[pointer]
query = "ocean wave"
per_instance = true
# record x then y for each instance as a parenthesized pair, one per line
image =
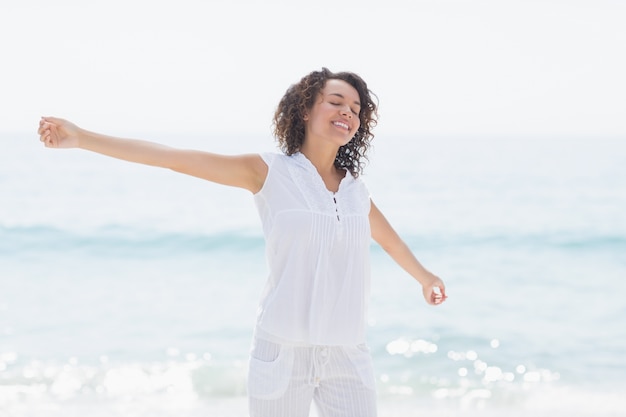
(555, 240)
(197, 377)
(122, 241)
(116, 240)
(194, 383)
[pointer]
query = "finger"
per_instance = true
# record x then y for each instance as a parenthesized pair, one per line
(46, 123)
(53, 136)
(43, 133)
(43, 128)
(439, 295)
(442, 289)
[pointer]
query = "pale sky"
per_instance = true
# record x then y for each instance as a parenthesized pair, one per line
(524, 67)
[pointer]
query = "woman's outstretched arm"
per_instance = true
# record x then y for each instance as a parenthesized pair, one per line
(244, 171)
(432, 286)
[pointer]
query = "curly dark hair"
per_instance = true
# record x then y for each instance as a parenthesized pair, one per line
(300, 98)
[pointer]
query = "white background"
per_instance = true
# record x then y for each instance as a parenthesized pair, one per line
(485, 67)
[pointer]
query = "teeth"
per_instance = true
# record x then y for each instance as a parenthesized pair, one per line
(341, 124)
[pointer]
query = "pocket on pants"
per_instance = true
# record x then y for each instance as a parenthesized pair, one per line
(269, 370)
(362, 361)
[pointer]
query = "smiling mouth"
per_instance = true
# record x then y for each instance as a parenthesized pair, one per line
(342, 125)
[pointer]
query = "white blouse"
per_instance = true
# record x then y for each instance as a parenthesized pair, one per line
(317, 247)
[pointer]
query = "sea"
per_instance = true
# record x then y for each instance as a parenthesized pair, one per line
(128, 290)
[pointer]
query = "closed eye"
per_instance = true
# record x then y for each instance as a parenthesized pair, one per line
(355, 112)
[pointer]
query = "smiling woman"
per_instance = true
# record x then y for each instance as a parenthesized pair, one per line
(318, 221)
(296, 113)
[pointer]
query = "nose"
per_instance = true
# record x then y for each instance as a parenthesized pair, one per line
(346, 111)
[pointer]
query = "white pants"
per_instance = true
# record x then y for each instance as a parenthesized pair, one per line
(283, 380)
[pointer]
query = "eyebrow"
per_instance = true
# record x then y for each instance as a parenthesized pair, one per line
(358, 103)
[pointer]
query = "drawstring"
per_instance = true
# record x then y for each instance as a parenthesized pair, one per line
(321, 356)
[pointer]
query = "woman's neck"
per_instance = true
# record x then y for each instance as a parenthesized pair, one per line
(322, 158)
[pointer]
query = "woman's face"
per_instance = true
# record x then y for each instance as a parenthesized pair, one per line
(334, 116)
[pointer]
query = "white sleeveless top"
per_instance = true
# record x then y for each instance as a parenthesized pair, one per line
(317, 246)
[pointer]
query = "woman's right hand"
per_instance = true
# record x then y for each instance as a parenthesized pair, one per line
(58, 133)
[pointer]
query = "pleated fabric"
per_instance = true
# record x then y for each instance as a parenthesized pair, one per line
(318, 248)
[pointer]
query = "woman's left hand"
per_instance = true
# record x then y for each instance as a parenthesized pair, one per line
(434, 291)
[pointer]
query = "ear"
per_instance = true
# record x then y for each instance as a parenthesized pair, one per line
(305, 117)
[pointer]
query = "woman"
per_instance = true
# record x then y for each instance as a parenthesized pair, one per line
(318, 219)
